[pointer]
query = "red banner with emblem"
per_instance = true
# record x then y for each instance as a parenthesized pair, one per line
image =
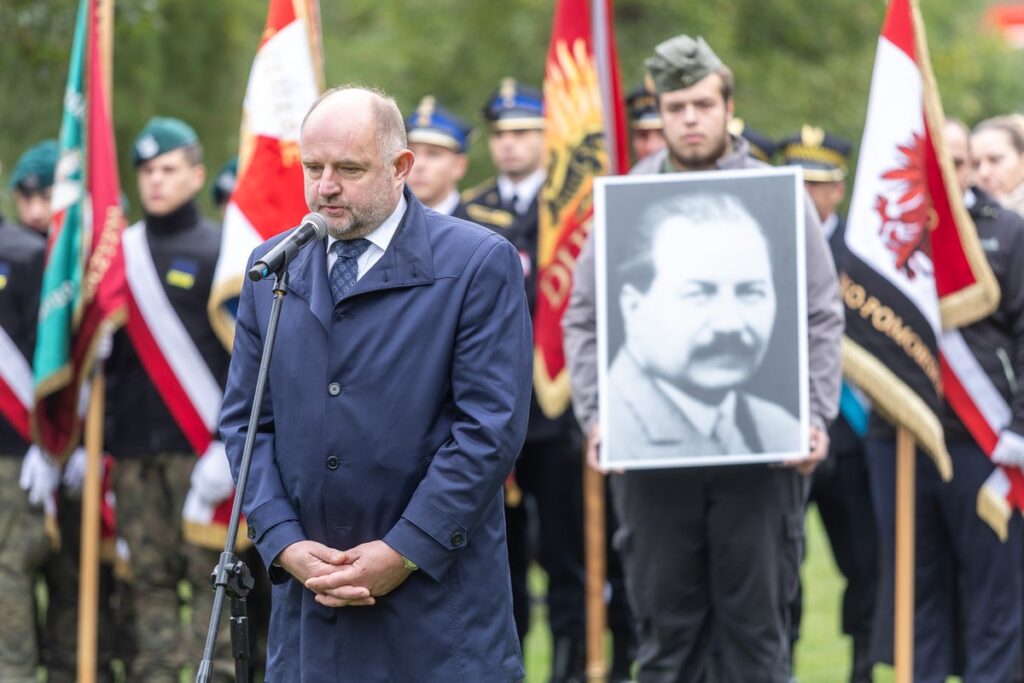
(585, 136)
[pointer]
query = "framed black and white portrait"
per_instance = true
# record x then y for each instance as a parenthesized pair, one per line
(702, 318)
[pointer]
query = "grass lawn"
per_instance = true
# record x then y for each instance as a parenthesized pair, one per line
(823, 653)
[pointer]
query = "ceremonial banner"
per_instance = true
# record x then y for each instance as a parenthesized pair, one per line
(83, 284)
(584, 137)
(286, 77)
(914, 270)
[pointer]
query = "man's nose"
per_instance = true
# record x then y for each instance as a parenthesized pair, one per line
(330, 184)
(726, 316)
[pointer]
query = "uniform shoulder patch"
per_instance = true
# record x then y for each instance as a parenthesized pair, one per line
(182, 273)
(482, 214)
(5, 274)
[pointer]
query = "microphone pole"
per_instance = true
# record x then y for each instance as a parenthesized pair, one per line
(232, 576)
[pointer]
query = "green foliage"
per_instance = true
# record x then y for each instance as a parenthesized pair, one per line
(795, 62)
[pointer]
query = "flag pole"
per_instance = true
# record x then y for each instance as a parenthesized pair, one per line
(594, 545)
(903, 645)
(89, 578)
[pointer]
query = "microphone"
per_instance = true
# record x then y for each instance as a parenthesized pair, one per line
(313, 227)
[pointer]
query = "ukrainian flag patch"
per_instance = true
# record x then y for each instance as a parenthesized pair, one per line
(5, 274)
(182, 273)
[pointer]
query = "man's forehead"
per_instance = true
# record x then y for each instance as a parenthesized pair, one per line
(688, 247)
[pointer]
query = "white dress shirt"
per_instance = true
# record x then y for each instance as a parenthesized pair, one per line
(379, 240)
(703, 417)
(524, 191)
(829, 225)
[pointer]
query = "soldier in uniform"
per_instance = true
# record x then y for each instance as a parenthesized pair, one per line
(32, 185)
(440, 140)
(840, 486)
(24, 545)
(645, 136)
(710, 554)
(548, 468)
(155, 459)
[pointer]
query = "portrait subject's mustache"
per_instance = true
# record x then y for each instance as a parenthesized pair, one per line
(724, 346)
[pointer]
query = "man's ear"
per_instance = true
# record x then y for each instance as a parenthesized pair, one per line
(629, 299)
(403, 164)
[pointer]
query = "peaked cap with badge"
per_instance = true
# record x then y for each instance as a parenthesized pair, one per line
(761, 146)
(822, 155)
(679, 63)
(642, 106)
(432, 124)
(35, 168)
(161, 135)
(515, 107)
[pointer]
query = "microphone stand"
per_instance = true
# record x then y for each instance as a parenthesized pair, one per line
(231, 576)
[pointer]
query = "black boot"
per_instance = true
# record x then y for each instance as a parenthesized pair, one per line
(568, 663)
(623, 654)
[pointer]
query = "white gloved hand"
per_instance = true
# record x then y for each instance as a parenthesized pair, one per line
(74, 471)
(1009, 450)
(211, 485)
(39, 476)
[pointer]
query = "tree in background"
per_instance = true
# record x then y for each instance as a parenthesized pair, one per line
(795, 61)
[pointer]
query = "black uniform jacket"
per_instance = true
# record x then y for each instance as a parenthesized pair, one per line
(22, 257)
(185, 248)
(483, 205)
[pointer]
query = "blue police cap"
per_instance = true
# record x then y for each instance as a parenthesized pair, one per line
(642, 105)
(434, 125)
(515, 107)
(761, 146)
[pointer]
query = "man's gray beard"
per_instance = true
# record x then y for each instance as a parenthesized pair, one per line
(361, 225)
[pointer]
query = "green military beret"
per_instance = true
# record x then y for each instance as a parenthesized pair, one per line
(680, 62)
(34, 170)
(161, 135)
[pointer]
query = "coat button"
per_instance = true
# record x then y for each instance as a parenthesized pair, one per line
(457, 539)
(333, 388)
(332, 463)
(251, 532)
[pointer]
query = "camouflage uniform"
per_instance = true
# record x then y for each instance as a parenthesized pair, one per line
(24, 546)
(150, 493)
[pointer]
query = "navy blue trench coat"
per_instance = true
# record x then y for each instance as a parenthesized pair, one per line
(395, 414)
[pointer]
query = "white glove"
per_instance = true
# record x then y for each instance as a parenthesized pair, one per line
(211, 485)
(39, 476)
(1009, 450)
(74, 471)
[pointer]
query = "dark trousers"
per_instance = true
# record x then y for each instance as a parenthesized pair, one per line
(957, 555)
(711, 559)
(549, 473)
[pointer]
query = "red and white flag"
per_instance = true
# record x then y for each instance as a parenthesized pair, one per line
(286, 77)
(914, 270)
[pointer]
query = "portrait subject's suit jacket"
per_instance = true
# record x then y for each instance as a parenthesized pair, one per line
(649, 426)
(394, 415)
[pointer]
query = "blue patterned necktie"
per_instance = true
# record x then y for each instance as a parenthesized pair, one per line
(345, 270)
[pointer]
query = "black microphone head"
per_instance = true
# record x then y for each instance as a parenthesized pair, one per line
(318, 222)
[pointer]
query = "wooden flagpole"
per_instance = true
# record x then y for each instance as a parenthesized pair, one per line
(89, 561)
(903, 645)
(594, 546)
(101, 12)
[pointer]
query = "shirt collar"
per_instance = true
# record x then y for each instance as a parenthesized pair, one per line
(525, 190)
(830, 224)
(970, 199)
(448, 204)
(702, 416)
(382, 234)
